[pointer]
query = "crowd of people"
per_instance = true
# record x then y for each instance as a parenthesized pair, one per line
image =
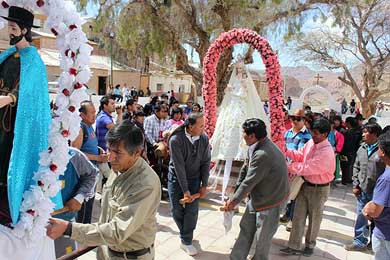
(120, 152)
(358, 149)
(356, 154)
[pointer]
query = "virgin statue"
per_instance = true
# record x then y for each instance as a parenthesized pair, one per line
(240, 102)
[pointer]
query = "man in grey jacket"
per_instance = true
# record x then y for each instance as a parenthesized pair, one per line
(189, 168)
(366, 170)
(264, 177)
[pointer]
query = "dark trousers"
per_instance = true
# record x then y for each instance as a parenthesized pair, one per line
(5, 214)
(290, 210)
(85, 214)
(347, 169)
(185, 217)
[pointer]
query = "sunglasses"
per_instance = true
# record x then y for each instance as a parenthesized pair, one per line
(296, 118)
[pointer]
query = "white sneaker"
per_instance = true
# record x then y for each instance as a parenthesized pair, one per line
(189, 249)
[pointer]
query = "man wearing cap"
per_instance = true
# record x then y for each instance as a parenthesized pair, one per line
(295, 139)
(24, 105)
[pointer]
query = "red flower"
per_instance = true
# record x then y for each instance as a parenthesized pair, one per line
(40, 3)
(73, 71)
(4, 4)
(65, 133)
(72, 109)
(72, 54)
(54, 31)
(73, 26)
(78, 85)
(66, 92)
(31, 212)
(53, 167)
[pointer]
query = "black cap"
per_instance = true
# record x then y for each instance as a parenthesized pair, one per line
(20, 16)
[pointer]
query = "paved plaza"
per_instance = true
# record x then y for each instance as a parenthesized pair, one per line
(213, 244)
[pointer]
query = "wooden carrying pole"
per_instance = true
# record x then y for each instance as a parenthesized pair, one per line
(77, 253)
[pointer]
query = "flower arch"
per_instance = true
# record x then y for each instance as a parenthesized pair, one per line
(274, 80)
(74, 54)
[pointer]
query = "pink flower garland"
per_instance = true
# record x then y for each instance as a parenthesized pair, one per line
(274, 80)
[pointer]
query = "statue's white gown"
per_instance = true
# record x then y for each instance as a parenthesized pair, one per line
(240, 102)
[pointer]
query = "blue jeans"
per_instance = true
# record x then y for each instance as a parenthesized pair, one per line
(185, 217)
(361, 223)
(381, 248)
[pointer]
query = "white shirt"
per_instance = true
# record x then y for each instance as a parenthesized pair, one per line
(191, 138)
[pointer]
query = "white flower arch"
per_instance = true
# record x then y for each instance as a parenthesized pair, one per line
(65, 23)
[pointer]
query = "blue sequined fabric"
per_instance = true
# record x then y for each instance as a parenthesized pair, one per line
(31, 126)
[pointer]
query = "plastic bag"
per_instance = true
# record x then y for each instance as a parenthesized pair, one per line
(228, 220)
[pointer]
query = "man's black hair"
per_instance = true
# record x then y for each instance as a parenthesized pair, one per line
(255, 126)
(160, 106)
(130, 102)
(338, 118)
(104, 101)
(128, 133)
(384, 143)
(352, 121)
(148, 109)
(83, 106)
(322, 125)
(139, 113)
(359, 117)
(373, 128)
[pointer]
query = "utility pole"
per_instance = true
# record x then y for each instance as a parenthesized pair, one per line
(112, 35)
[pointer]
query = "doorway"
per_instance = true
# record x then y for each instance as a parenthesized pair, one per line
(102, 86)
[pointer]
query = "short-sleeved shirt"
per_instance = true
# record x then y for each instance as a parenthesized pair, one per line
(102, 120)
(382, 198)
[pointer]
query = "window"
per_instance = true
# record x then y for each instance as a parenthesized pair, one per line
(182, 88)
(159, 86)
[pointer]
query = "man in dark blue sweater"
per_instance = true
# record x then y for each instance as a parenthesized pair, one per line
(188, 174)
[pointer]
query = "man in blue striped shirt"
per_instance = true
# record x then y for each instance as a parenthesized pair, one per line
(295, 139)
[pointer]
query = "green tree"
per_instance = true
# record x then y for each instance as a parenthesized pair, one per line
(359, 45)
(165, 27)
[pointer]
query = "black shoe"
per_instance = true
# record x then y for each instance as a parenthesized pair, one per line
(290, 251)
(284, 219)
(308, 251)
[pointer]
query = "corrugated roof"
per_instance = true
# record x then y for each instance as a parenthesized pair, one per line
(50, 35)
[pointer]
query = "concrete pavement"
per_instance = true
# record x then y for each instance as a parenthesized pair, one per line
(213, 244)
